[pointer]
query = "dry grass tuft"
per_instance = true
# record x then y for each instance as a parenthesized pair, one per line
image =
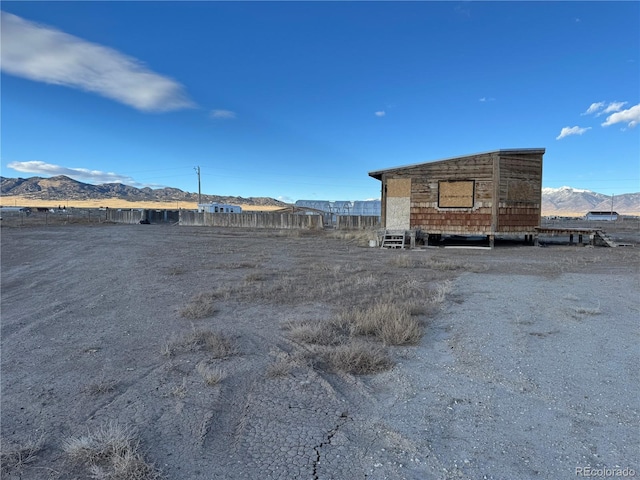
(358, 358)
(392, 324)
(101, 387)
(440, 292)
(14, 457)
(279, 369)
(201, 305)
(111, 453)
(358, 238)
(255, 277)
(180, 391)
(443, 264)
(211, 375)
(215, 343)
(313, 332)
(401, 261)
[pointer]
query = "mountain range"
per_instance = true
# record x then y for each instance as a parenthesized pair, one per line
(568, 200)
(63, 188)
(555, 201)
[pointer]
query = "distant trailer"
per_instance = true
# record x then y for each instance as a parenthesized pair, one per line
(604, 216)
(218, 208)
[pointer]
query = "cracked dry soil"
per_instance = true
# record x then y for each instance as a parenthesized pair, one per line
(528, 369)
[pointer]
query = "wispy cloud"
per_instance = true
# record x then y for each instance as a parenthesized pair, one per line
(380, 113)
(631, 117)
(228, 114)
(613, 107)
(486, 99)
(593, 108)
(44, 54)
(566, 131)
(601, 108)
(84, 174)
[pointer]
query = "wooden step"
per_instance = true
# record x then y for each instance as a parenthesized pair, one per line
(606, 239)
(393, 239)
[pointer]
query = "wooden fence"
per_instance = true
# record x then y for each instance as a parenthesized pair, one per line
(251, 220)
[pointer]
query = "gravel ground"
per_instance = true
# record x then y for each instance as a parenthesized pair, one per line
(528, 369)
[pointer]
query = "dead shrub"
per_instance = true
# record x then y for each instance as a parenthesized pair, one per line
(14, 457)
(201, 305)
(358, 358)
(211, 375)
(111, 452)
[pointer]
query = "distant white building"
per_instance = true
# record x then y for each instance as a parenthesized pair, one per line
(606, 216)
(218, 208)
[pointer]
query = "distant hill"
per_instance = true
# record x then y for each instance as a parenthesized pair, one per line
(568, 201)
(63, 188)
(555, 201)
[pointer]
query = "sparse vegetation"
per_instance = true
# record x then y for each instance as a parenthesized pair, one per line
(279, 368)
(439, 293)
(180, 391)
(14, 457)
(358, 358)
(215, 344)
(101, 387)
(318, 332)
(392, 324)
(111, 452)
(211, 375)
(200, 306)
(401, 261)
(255, 277)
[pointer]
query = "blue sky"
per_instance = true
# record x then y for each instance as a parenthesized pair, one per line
(300, 100)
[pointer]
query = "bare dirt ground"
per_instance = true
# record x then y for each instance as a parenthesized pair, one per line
(527, 368)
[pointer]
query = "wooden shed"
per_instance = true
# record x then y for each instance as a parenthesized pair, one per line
(491, 193)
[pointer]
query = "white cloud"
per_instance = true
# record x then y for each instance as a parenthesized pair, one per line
(44, 54)
(380, 113)
(613, 107)
(486, 99)
(91, 176)
(631, 116)
(566, 131)
(600, 109)
(594, 108)
(222, 114)
(285, 199)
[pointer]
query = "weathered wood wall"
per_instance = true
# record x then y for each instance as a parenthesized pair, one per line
(507, 191)
(520, 196)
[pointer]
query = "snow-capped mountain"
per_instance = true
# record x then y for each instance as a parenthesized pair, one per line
(575, 201)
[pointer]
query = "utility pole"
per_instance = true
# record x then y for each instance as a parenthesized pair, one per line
(197, 169)
(612, 195)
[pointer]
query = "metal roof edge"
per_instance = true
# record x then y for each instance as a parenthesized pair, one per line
(373, 173)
